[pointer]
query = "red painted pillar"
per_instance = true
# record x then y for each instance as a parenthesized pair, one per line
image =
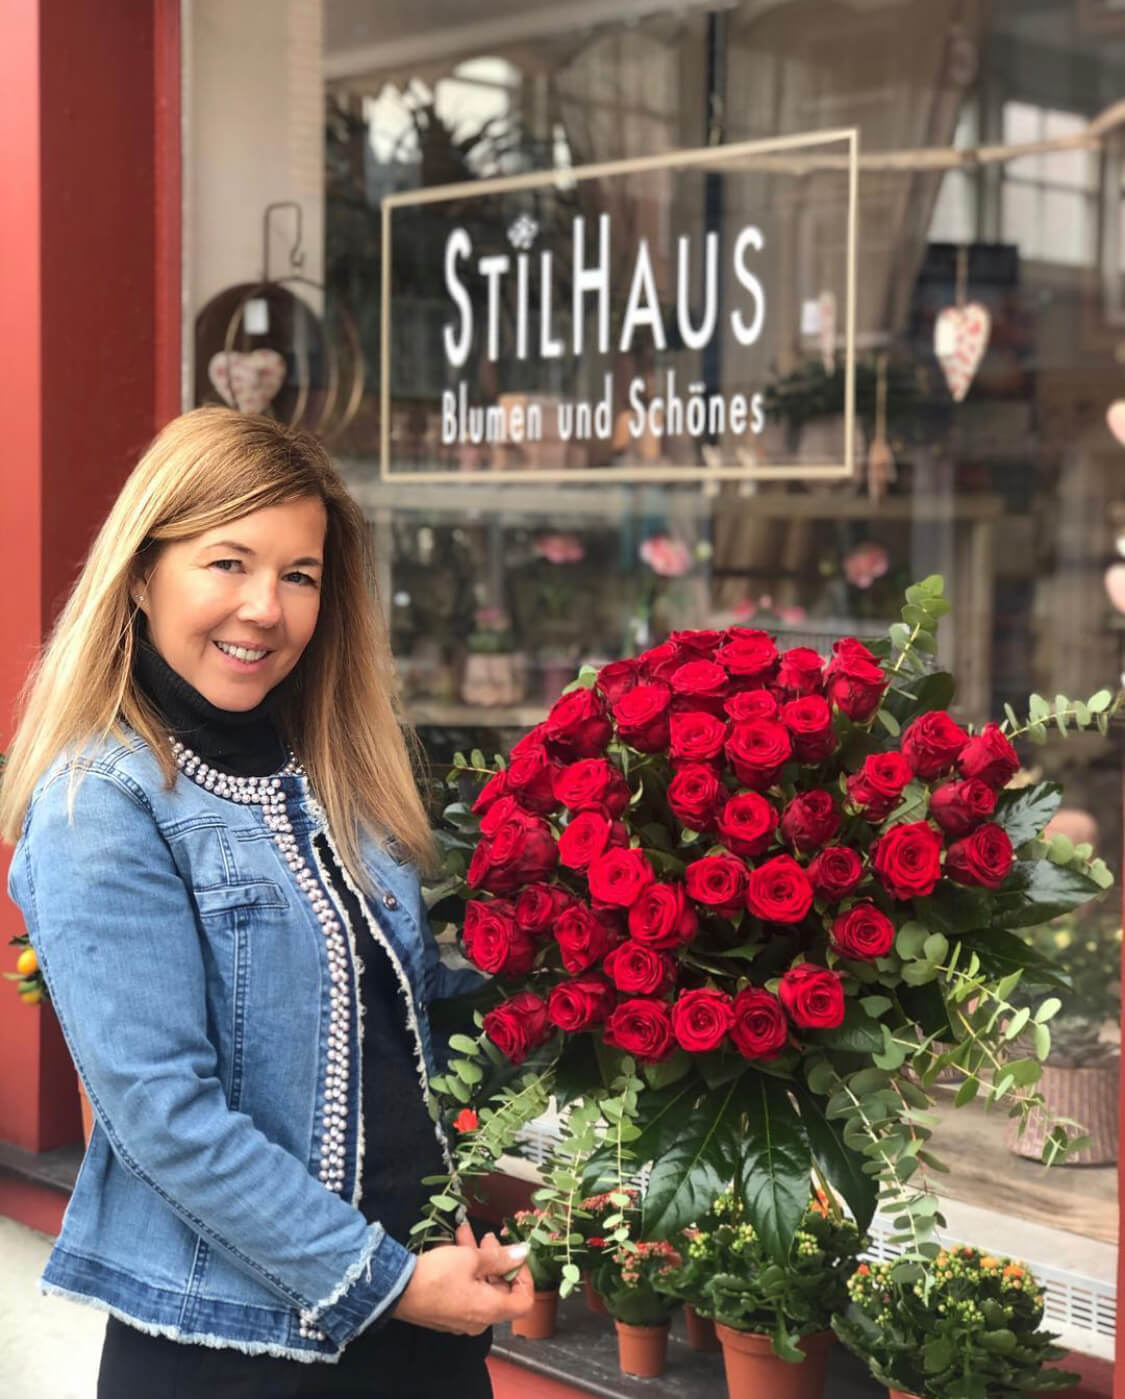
(89, 363)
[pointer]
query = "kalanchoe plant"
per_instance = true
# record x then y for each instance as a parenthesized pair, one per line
(789, 889)
(741, 1286)
(969, 1328)
(629, 1278)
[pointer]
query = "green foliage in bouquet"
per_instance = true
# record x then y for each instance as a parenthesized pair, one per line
(969, 1329)
(735, 1280)
(531, 1227)
(1087, 952)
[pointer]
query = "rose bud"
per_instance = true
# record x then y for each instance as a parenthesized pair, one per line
(907, 860)
(638, 969)
(579, 1003)
(718, 883)
(695, 796)
(588, 835)
(864, 932)
(751, 704)
(983, 858)
(759, 1029)
(699, 685)
(855, 681)
(641, 1027)
(659, 663)
(800, 673)
(990, 757)
(878, 787)
(617, 679)
(517, 1026)
(835, 872)
(662, 917)
(538, 905)
(932, 742)
(619, 877)
(592, 784)
(959, 807)
(583, 938)
(813, 996)
(746, 824)
(809, 820)
(494, 941)
(779, 891)
(701, 1020)
(758, 750)
(748, 654)
(642, 717)
(809, 720)
(531, 779)
(701, 643)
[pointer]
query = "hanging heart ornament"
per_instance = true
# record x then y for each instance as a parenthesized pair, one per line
(1115, 419)
(248, 382)
(960, 340)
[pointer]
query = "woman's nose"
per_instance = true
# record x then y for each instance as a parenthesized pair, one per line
(261, 603)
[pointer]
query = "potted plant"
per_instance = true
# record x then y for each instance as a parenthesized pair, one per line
(493, 670)
(965, 1327)
(629, 1278)
(774, 1319)
(527, 1226)
(588, 1223)
(688, 1283)
(1080, 1078)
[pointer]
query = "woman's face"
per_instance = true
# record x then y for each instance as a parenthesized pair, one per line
(232, 609)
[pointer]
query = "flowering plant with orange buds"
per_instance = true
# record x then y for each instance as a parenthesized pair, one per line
(967, 1327)
(629, 1277)
(532, 1227)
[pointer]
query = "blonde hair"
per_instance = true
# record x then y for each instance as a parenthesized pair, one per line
(205, 469)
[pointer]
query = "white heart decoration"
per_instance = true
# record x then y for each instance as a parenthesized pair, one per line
(248, 382)
(1115, 585)
(1115, 420)
(960, 340)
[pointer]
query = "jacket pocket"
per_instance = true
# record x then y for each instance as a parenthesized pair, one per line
(229, 898)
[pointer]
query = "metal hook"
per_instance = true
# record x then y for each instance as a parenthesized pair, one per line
(296, 252)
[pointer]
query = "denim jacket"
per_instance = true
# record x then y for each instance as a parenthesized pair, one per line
(192, 980)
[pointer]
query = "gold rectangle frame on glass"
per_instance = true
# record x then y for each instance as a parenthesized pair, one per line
(708, 157)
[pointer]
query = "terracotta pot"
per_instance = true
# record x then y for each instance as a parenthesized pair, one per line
(700, 1331)
(1087, 1095)
(539, 1323)
(754, 1370)
(87, 1112)
(594, 1299)
(642, 1350)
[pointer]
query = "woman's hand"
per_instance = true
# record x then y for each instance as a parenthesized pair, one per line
(460, 1287)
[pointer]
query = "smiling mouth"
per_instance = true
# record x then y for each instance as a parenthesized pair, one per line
(248, 655)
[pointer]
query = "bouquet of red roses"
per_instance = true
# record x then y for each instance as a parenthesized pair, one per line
(785, 887)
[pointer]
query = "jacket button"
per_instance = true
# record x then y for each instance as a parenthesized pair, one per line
(389, 901)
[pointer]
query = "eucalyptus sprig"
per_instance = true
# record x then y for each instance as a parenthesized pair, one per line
(1096, 712)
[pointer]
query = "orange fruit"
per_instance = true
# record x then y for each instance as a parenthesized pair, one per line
(31, 998)
(27, 962)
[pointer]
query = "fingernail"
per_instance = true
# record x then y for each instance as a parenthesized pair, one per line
(518, 1253)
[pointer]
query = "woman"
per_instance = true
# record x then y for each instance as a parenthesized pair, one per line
(218, 843)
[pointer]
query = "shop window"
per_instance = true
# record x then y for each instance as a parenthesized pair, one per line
(1049, 201)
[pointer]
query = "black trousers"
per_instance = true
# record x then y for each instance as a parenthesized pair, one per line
(396, 1361)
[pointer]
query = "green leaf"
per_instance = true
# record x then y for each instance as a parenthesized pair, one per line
(910, 939)
(1048, 1009)
(1042, 1036)
(659, 1116)
(1037, 891)
(876, 1005)
(967, 1092)
(1024, 812)
(936, 948)
(889, 722)
(858, 1033)
(937, 1355)
(1099, 703)
(775, 1165)
(699, 1165)
(1001, 953)
(1017, 1023)
(667, 1071)
(953, 909)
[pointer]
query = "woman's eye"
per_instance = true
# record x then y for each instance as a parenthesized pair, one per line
(306, 580)
(226, 565)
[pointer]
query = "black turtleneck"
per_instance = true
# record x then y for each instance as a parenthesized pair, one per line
(399, 1142)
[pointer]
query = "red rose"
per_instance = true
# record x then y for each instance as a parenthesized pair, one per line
(658, 663)
(759, 1029)
(494, 941)
(990, 757)
(641, 1027)
(662, 917)
(522, 851)
(695, 795)
(751, 704)
(835, 872)
(578, 724)
(983, 858)
(809, 720)
(877, 788)
(810, 820)
(932, 742)
(617, 679)
(619, 877)
(779, 891)
(718, 882)
(746, 824)
(813, 996)
(495, 788)
(864, 932)
(800, 673)
(748, 654)
(907, 860)
(697, 643)
(517, 1026)
(538, 905)
(592, 784)
(579, 1003)
(531, 778)
(700, 684)
(695, 736)
(638, 969)
(587, 836)
(959, 807)
(701, 1020)
(758, 750)
(583, 937)
(503, 809)
(642, 717)
(855, 680)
